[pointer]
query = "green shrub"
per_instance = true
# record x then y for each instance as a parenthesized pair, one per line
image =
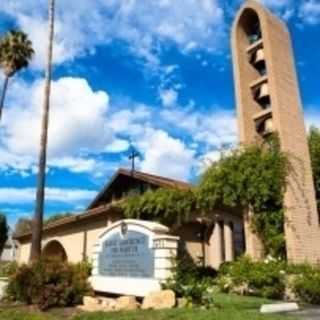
(306, 285)
(244, 276)
(270, 278)
(192, 282)
(49, 284)
(8, 268)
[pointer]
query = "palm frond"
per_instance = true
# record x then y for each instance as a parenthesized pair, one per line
(15, 52)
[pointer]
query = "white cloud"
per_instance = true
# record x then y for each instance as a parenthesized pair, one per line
(168, 97)
(310, 12)
(207, 159)
(130, 121)
(77, 125)
(82, 127)
(165, 155)
(214, 129)
(285, 8)
(145, 26)
(118, 145)
(27, 195)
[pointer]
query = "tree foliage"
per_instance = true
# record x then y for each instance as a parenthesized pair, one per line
(252, 177)
(314, 146)
(15, 52)
(4, 229)
(166, 206)
(22, 226)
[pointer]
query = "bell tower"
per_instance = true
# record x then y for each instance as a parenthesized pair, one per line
(268, 100)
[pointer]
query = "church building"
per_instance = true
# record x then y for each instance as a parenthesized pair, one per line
(268, 100)
(209, 241)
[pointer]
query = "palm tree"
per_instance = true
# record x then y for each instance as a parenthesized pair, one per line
(15, 53)
(37, 223)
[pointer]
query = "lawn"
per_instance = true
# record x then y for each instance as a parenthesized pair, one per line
(229, 307)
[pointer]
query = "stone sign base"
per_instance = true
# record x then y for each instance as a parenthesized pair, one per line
(133, 257)
(134, 287)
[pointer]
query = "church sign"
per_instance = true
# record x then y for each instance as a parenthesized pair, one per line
(127, 254)
(133, 257)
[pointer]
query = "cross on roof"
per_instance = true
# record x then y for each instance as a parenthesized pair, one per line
(133, 154)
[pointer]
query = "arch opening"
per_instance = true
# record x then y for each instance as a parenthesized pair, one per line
(54, 251)
(250, 24)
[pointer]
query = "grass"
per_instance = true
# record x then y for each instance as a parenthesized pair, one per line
(228, 307)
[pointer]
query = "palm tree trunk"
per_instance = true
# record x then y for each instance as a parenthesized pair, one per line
(38, 216)
(3, 94)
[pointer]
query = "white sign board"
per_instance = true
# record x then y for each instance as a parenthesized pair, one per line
(133, 257)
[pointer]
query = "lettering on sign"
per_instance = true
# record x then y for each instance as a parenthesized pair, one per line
(159, 244)
(127, 255)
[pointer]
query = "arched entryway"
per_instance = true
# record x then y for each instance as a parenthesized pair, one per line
(54, 250)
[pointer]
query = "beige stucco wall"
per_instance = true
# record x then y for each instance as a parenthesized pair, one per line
(190, 242)
(77, 239)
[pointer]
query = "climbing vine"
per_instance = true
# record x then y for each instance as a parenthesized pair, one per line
(314, 145)
(251, 177)
(166, 206)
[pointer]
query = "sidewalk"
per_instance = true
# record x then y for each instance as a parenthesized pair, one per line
(312, 313)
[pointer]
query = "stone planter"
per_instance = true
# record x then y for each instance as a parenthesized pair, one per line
(3, 285)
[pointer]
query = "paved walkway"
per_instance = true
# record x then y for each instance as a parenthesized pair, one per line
(307, 314)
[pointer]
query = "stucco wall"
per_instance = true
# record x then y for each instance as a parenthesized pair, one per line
(77, 239)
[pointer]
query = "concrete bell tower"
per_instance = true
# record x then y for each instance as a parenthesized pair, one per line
(268, 100)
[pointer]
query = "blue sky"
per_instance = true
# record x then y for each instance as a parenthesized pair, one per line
(156, 73)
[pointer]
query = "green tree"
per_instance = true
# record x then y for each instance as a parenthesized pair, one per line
(15, 53)
(40, 196)
(3, 231)
(22, 226)
(314, 145)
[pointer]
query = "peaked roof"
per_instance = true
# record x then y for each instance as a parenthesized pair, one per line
(152, 179)
(96, 208)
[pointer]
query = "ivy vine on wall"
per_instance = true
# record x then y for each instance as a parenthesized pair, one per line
(249, 177)
(167, 206)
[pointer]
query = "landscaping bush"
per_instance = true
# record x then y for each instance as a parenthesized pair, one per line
(270, 278)
(246, 277)
(49, 284)
(192, 282)
(7, 269)
(306, 285)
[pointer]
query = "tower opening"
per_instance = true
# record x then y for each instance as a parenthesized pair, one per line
(250, 23)
(257, 59)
